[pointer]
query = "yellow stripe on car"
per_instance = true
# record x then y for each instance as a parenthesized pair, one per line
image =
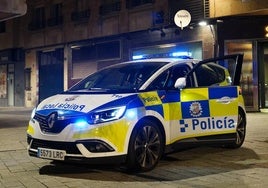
(150, 98)
(221, 110)
(194, 94)
(114, 132)
(172, 111)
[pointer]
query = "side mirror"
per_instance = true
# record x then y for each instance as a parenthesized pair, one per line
(180, 83)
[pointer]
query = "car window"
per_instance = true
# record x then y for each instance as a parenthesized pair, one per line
(219, 71)
(167, 79)
(179, 71)
(209, 74)
(128, 76)
(160, 82)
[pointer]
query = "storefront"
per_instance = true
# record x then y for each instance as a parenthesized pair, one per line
(11, 77)
(248, 37)
(263, 84)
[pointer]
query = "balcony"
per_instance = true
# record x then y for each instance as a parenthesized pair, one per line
(12, 8)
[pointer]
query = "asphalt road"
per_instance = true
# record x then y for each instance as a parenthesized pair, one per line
(197, 167)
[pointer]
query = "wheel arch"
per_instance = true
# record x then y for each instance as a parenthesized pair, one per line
(157, 122)
(243, 111)
(132, 161)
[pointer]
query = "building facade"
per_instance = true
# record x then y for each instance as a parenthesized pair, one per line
(61, 42)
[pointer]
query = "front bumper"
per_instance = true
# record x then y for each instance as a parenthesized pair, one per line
(75, 151)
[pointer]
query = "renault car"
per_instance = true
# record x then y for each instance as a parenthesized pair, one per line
(137, 111)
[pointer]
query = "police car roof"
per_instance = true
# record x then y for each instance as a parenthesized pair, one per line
(167, 60)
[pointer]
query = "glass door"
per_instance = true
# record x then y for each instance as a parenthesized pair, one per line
(263, 57)
(249, 75)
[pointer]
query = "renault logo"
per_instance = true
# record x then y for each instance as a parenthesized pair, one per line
(52, 119)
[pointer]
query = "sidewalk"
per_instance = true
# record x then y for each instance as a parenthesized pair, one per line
(16, 109)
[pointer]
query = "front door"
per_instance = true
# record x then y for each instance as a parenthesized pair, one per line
(209, 102)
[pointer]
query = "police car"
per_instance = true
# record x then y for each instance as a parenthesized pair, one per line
(135, 112)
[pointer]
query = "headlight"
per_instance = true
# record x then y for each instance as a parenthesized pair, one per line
(105, 115)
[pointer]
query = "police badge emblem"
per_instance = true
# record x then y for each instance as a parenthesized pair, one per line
(196, 109)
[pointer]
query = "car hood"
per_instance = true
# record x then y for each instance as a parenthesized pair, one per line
(82, 103)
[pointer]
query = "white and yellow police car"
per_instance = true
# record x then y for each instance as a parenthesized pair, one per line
(136, 111)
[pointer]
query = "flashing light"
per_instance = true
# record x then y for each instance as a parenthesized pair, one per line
(178, 54)
(135, 57)
(81, 123)
(131, 114)
(182, 55)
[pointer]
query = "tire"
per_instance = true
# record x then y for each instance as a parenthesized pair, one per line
(145, 147)
(240, 131)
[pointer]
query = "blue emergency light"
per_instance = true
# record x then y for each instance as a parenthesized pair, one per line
(181, 55)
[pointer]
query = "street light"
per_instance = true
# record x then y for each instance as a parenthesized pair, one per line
(266, 31)
(202, 23)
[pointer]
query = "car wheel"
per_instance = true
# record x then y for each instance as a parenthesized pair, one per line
(145, 147)
(240, 131)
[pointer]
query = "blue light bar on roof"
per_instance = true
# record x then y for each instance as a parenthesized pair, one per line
(181, 55)
(135, 57)
(178, 54)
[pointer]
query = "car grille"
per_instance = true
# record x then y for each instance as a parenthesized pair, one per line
(57, 126)
(69, 147)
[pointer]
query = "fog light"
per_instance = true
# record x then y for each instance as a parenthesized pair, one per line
(96, 146)
(101, 148)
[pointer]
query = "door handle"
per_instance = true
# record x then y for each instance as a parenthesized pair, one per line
(225, 100)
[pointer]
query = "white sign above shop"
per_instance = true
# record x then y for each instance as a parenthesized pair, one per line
(182, 18)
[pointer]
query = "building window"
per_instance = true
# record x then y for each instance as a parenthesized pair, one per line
(56, 17)
(81, 5)
(198, 9)
(85, 58)
(2, 27)
(158, 18)
(37, 19)
(135, 3)
(3, 81)
(99, 51)
(108, 7)
(108, 50)
(81, 12)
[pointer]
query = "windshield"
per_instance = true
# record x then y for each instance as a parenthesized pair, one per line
(126, 76)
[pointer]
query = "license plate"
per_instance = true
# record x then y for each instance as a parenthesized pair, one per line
(51, 154)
